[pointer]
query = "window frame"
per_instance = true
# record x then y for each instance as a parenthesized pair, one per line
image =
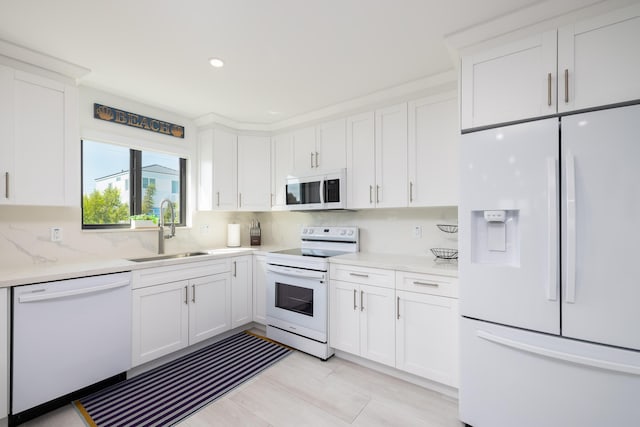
(136, 192)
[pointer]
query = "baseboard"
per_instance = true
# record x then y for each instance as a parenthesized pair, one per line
(445, 390)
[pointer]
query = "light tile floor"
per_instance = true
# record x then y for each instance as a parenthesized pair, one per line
(301, 390)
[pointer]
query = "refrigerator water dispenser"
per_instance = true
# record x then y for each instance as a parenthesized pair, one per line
(494, 237)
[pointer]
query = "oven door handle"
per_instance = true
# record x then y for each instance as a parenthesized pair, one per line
(294, 272)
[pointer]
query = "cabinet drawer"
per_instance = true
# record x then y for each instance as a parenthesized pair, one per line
(427, 284)
(363, 275)
(172, 273)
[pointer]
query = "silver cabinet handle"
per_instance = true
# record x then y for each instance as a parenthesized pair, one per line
(239, 200)
(371, 194)
(426, 284)
(361, 300)
(549, 89)
(566, 86)
(271, 199)
(410, 192)
(311, 160)
(355, 305)
(6, 185)
(193, 295)
(398, 308)
(186, 295)
(218, 196)
(235, 269)
(359, 275)
(317, 155)
(377, 194)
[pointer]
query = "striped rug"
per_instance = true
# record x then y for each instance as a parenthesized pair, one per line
(171, 392)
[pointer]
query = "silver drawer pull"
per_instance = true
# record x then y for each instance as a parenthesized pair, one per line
(425, 284)
(359, 275)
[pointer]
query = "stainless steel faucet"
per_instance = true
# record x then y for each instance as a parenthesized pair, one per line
(161, 235)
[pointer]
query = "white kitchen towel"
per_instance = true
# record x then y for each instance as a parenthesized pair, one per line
(233, 235)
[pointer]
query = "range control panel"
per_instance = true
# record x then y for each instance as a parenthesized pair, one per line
(329, 233)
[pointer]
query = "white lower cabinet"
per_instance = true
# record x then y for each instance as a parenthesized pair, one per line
(241, 290)
(427, 336)
(4, 352)
(405, 320)
(362, 316)
(176, 306)
(260, 289)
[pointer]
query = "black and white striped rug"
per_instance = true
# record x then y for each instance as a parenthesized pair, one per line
(169, 393)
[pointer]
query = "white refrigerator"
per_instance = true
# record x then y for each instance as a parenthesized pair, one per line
(549, 267)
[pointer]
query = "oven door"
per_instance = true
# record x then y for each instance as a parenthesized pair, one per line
(297, 301)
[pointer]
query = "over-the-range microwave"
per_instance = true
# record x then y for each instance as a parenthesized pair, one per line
(318, 191)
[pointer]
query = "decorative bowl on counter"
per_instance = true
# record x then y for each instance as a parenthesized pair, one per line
(445, 253)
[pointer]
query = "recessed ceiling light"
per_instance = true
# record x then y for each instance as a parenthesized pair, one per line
(216, 62)
(274, 113)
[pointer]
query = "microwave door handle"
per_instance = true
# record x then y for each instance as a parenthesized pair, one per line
(322, 189)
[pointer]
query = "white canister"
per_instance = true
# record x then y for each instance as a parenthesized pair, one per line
(233, 235)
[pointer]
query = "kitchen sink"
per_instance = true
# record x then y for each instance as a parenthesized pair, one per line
(173, 256)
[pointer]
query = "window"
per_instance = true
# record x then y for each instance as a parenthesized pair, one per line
(118, 182)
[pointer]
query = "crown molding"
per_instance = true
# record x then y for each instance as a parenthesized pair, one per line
(41, 60)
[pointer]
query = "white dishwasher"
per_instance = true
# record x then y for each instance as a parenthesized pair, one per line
(68, 335)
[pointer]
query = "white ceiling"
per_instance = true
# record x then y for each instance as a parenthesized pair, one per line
(286, 56)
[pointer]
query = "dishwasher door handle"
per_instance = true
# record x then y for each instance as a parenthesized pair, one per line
(43, 296)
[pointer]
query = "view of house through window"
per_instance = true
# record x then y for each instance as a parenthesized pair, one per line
(119, 183)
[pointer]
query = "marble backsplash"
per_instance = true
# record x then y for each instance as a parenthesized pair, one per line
(25, 233)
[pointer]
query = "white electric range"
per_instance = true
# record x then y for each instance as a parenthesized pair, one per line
(298, 288)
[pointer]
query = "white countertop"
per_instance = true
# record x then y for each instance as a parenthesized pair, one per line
(410, 263)
(50, 272)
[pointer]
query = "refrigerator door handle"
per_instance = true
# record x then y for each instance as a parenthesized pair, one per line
(552, 216)
(560, 355)
(571, 229)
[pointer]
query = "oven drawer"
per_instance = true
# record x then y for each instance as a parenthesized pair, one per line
(363, 275)
(431, 284)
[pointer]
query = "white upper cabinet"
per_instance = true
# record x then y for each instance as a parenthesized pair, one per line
(600, 59)
(254, 173)
(331, 149)
(391, 188)
(361, 161)
(584, 65)
(433, 151)
(225, 175)
(511, 82)
(320, 148)
(281, 167)
(40, 142)
(304, 150)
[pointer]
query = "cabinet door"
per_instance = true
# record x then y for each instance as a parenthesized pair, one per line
(6, 134)
(282, 166)
(4, 352)
(40, 170)
(377, 324)
(225, 172)
(254, 173)
(391, 157)
(331, 146)
(427, 336)
(241, 291)
(600, 59)
(260, 289)
(344, 318)
(304, 150)
(160, 320)
(205, 170)
(512, 82)
(361, 161)
(433, 151)
(209, 306)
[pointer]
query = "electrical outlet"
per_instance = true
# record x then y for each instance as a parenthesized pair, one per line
(417, 231)
(204, 228)
(56, 234)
